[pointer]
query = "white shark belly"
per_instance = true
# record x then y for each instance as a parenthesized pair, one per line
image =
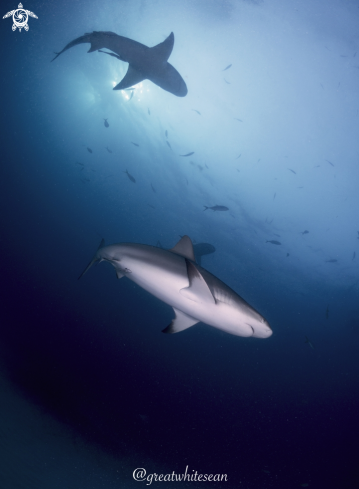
(166, 286)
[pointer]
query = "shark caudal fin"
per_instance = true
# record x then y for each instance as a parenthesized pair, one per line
(94, 259)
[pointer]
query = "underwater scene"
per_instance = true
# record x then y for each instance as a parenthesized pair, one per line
(180, 244)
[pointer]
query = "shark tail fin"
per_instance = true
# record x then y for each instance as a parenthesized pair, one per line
(94, 259)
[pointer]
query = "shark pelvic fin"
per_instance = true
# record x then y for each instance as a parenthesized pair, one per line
(180, 323)
(184, 247)
(198, 290)
(164, 49)
(131, 78)
(94, 259)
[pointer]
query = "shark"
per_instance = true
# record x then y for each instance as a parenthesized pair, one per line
(194, 293)
(145, 63)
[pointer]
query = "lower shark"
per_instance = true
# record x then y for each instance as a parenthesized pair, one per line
(195, 294)
(145, 63)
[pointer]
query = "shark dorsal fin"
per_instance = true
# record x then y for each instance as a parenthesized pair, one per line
(179, 323)
(198, 290)
(184, 247)
(164, 49)
(131, 78)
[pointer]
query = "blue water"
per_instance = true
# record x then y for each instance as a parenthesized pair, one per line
(90, 387)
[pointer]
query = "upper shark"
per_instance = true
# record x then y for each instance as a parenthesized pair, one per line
(144, 62)
(195, 294)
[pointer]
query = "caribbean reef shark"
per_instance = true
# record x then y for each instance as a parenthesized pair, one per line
(195, 294)
(145, 63)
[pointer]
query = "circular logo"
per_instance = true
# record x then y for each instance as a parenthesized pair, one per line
(20, 18)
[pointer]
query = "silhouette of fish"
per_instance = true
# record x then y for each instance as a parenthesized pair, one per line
(168, 144)
(188, 154)
(106, 124)
(273, 241)
(333, 260)
(135, 144)
(330, 163)
(228, 83)
(216, 208)
(89, 150)
(305, 232)
(144, 62)
(292, 171)
(108, 150)
(166, 134)
(149, 112)
(194, 110)
(239, 120)
(153, 188)
(227, 67)
(130, 176)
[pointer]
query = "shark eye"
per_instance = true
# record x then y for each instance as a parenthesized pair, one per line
(127, 270)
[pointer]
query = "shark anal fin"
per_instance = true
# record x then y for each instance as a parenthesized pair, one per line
(164, 49)
(180, 323)
(184, 247)
(131, 78)
(198, 290)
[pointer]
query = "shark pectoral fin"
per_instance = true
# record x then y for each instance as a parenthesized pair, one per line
(180, 323)
(164, 49)
(131, 78)
(184, 247)
(198, 290)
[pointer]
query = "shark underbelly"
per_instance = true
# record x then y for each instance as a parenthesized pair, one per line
(166, 286)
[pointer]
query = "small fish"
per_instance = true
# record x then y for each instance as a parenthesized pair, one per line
(131, 95)
(329, 162)
(206, 166)
(131, 89)
(275, 193)
(333, 260)
(278, 235)
(216, 208)
(106, 124)
(78, 163)
(353, 256)
(258, 160)
(327, 312)
(168, 144)
(292, 171)
(307, 340)
(108, 150)
(236, 118)
(338, 85)
(273, 241)
(200, 167)
(166, 134)
(89, 150)
(188, 154)
(194, 110)
(130, 176)
(305, 232)
(135, 144)
(239, 156)
(287, 255)
(354, 54)
(227, 67)
(228, 83)
(153, 188)
(238, 170)
(149, 112)
(321, 86)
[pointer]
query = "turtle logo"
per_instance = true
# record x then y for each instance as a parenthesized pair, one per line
(20, 18)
